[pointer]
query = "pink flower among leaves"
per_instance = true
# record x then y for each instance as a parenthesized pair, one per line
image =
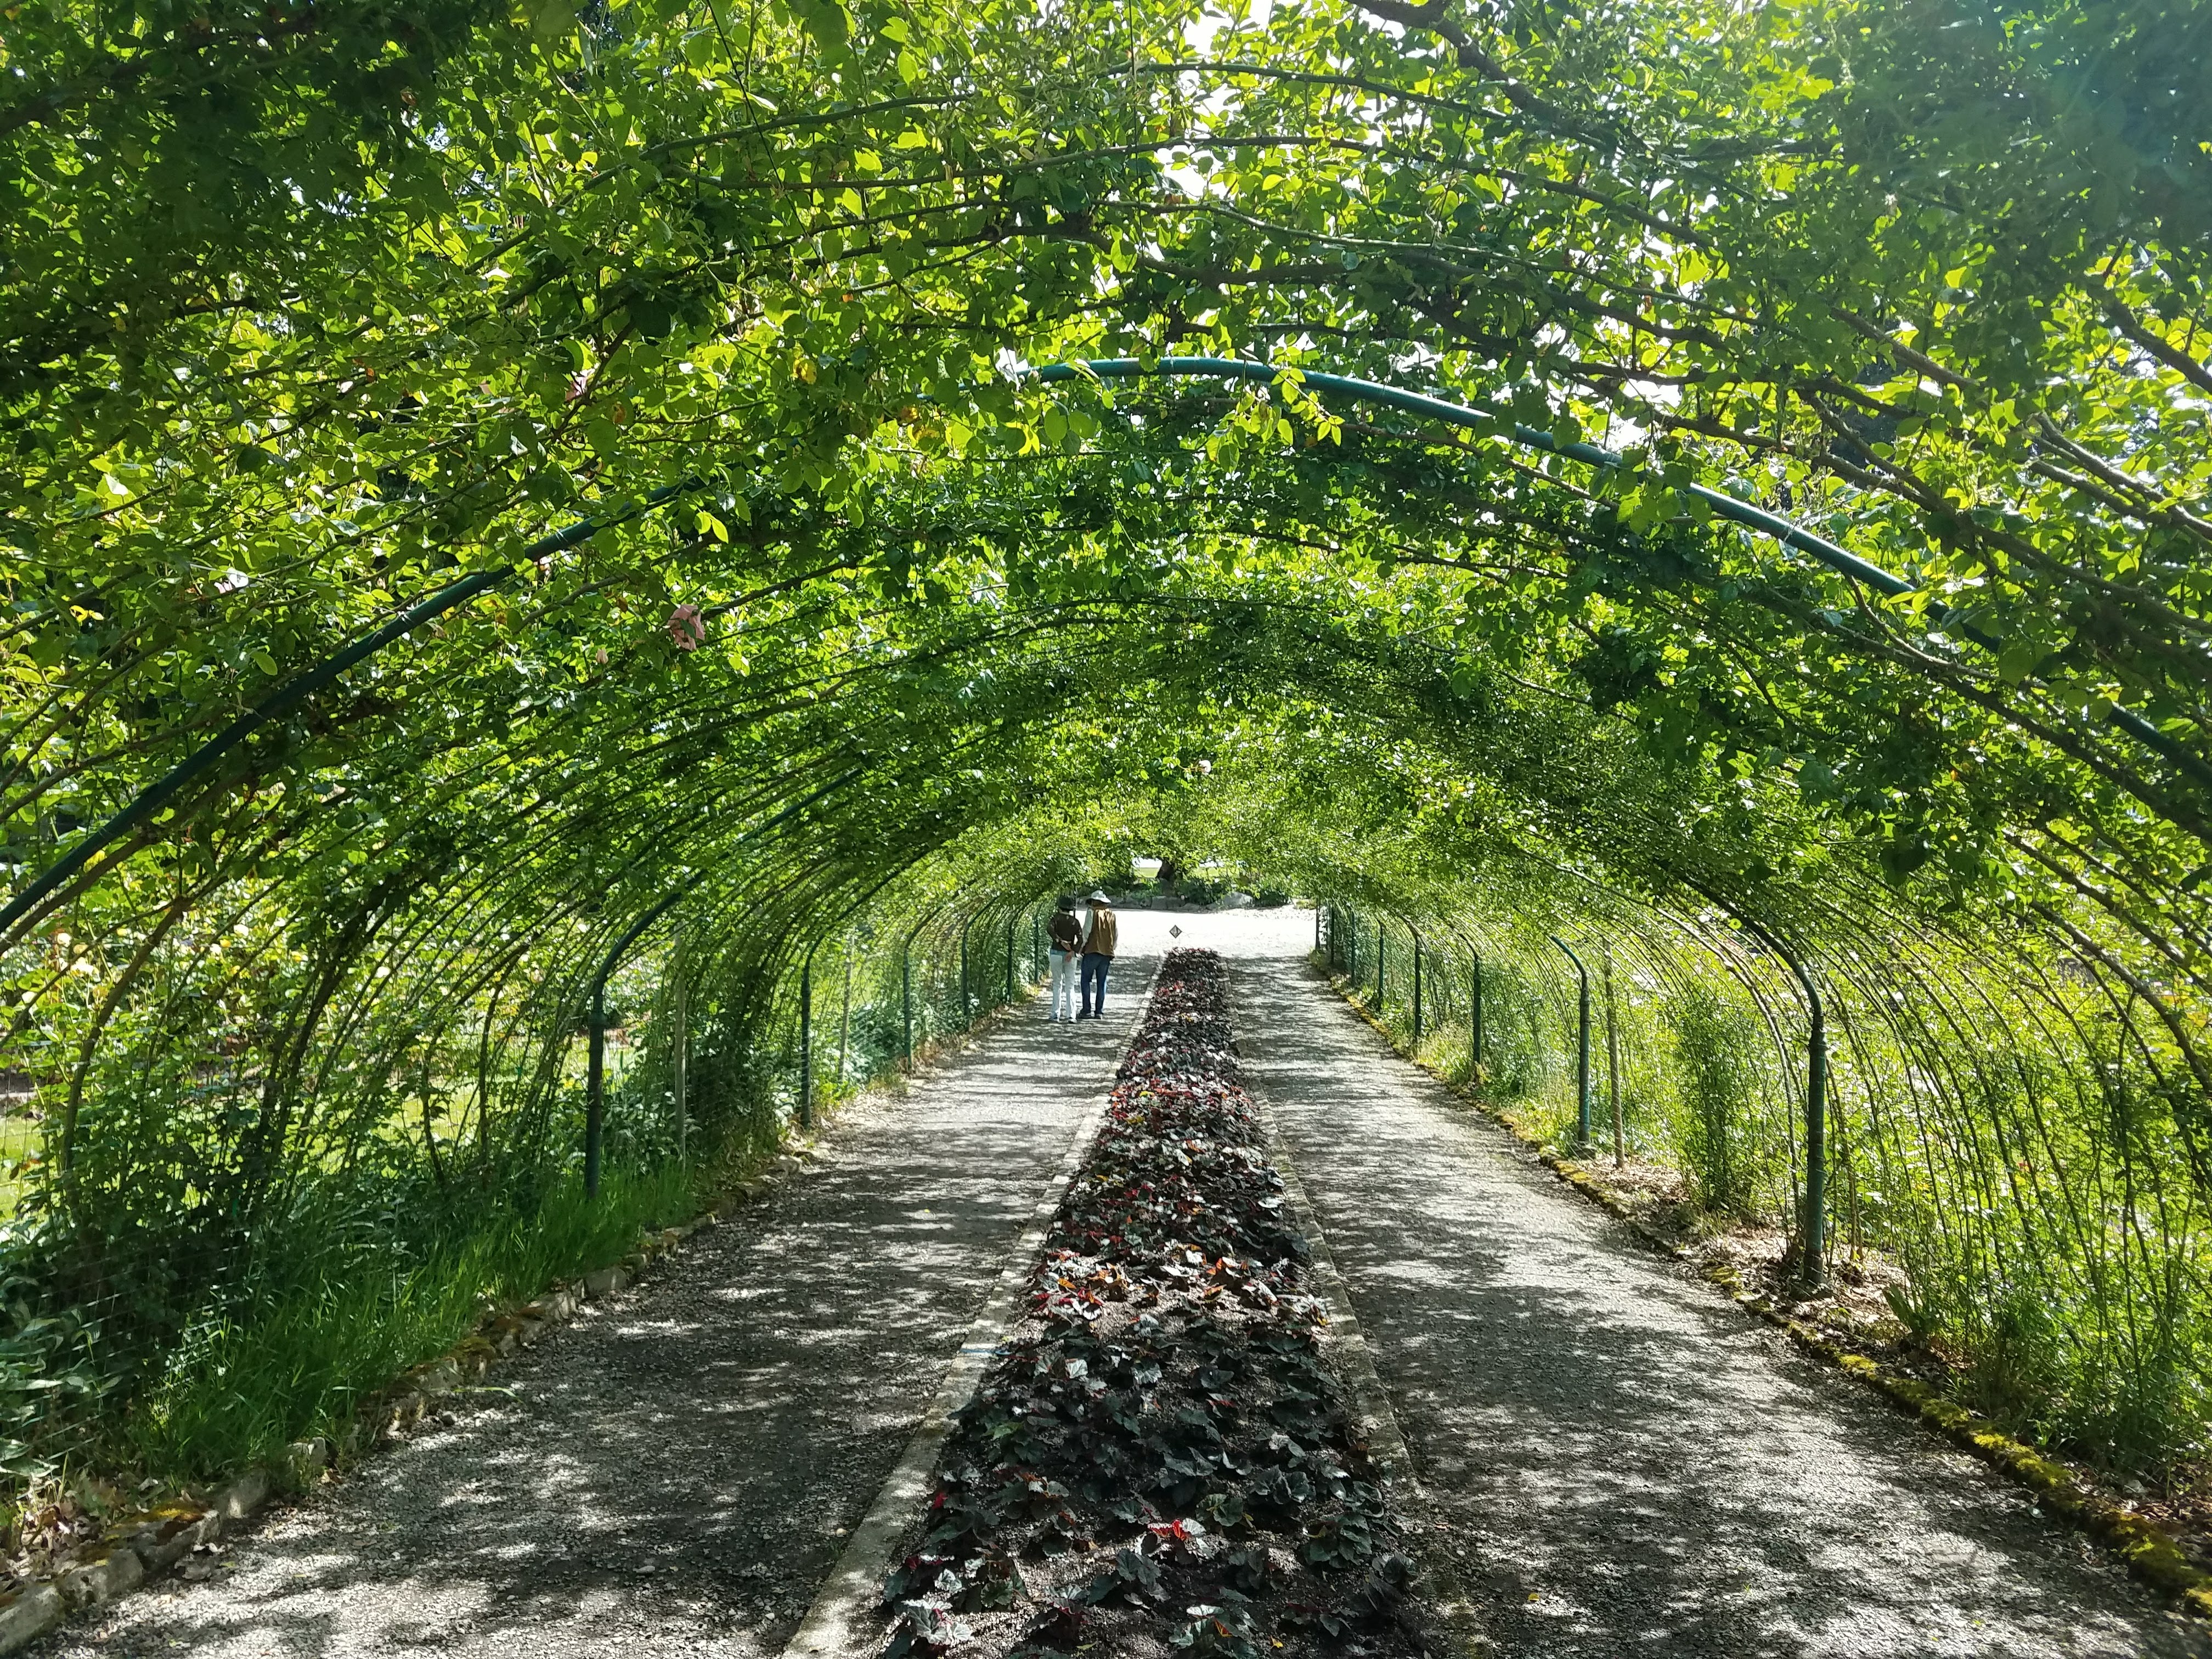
(687, 627)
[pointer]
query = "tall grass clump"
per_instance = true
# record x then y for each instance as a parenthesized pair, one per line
(316, 1329)
(1719, 1124)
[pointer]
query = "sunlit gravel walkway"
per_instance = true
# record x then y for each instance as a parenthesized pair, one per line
(673, 1474)
(1624, 1463)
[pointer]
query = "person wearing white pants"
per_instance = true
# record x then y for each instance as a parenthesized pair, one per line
(1064, 933)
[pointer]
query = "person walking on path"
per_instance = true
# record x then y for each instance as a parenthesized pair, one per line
(1065, 934)
(1097, 957)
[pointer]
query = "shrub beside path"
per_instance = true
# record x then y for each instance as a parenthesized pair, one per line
(673, 1473)
(1623, 1461)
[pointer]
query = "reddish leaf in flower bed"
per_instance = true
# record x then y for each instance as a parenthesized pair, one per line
(1161, 1461)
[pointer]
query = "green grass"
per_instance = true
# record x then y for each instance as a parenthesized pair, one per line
(20, 1137)
(240, 1388)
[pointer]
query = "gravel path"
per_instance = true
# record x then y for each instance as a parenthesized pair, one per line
(673, 1474)
(1623, 1461)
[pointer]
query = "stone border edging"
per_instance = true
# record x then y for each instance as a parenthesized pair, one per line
(855, 1586)
(2149, 1551)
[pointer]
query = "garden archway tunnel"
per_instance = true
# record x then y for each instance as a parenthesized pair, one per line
(1662, 484)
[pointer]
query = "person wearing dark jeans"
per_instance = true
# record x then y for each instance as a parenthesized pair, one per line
(1098, 941)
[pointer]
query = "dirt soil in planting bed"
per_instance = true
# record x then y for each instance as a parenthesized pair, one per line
(1161, 1461)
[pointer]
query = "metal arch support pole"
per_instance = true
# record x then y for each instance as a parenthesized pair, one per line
(967, 1000)
(1475, 1012)
(806, 1040)
(1812, 1224)
(595, 1091)
(595, 1074)
(296, 690)
(1613, 1058)
(1417, 984)
(1582, 1054)
(906, 985)
(681, 997)
(1816, 1265)
(595, 1086)
(1836, 557)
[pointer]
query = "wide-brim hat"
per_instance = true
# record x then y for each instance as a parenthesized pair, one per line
(1100, 899)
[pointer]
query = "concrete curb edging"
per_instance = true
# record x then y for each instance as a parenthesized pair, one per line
(2150, 1551)
(127, 1557)
(853, 1589)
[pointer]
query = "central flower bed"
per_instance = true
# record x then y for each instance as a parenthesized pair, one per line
(1160, 1461)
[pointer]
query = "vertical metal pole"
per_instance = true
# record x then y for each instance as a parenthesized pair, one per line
(1417, 990)
(1814, 1243)
(1582, 1054)
(807, 1043)
(845, 1011)
(683, 1041)
(1612, 1055)
(595, 1090)
(1474, 1022)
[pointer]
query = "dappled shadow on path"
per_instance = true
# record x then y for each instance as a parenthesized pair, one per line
(1624, 1462)
(673, 1474)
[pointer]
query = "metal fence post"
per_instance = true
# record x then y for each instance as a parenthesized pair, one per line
(1582, 1054)
(1474, 1011)
(1812, 1224)
(967, 1000)
(681, 999)
(1417, 986)
(1612, 1055)
(595, 1090)
(806, 1042)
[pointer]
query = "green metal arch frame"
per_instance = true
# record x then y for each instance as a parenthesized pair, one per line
(297, 689)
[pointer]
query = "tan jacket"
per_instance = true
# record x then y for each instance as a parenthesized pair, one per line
(1099, 941)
